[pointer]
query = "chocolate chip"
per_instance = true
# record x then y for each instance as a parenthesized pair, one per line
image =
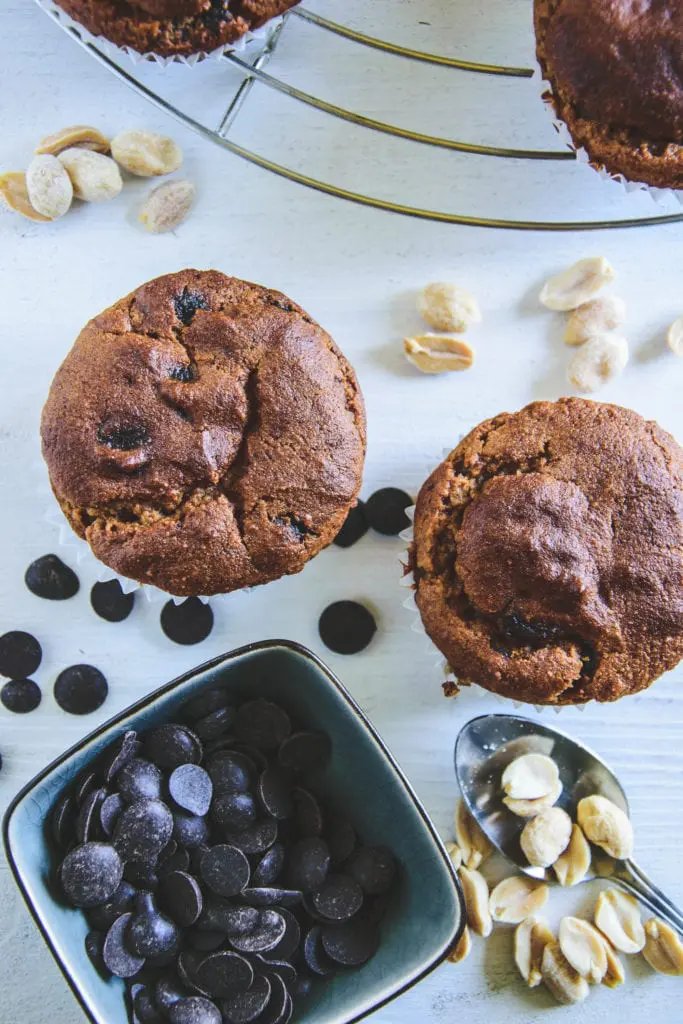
(308, 863)
(144, 1006)
(172, 745)
(20, 654)
(20, 696)
(340, 836)
(230, 772)
(109, 601)
(49, 577)
(80, 689)
(262, 724)
(355, 526)
(308, 814)
(87, 823)
(275, 793)
(187, 623)
(168, 991)
(339, 898)
(269, 866)
(352, 943)
(186, 304)
(94, 944)
(190, 830)
(257, 760)
(289, 943)
(185, 374)
(139, 779)
(215, 724)
(206, 942)
(219, 915)
(385, 510)
(513, 627)
(191, 788)
(278, 1010)
(141, 873)
(143, 829)
(122, 437)
(303, 751)
(195, 1010)
(115, 954)
(104, 914)
(62, 819)
(346, 627)
(204, 703)
(224, 972)
(270, 896)
(315, 956)
(374, 868)
(269, 930)
(180, 896)
(245, 1007)
(234, 811)
(282, 968)
(150, 933)
(257, 838)
(225, 869)
(90, 874)
(119, 753)
(176, 859)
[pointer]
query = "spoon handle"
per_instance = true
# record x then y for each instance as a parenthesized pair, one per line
(635, 881)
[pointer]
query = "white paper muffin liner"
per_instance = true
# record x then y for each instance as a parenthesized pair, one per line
(662, 196)
(407, 582)
(255, 38)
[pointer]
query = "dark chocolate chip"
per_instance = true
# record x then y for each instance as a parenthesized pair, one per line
(177, 859)
(143, 829)
(187, 623)
(183, 373)
(308, 863)
(104, 914)
(282, 968)
(139, 779)
(269, 930)
(141, 873)
(49, 577)
(339, 898)
(191, 788)
(258, 762)
(257, 837)
(303, 751)
(514, 627)
(86, 781)
(21, 696)
(223, 973)
(180, 896)
(115, 953)
(94, 944)
(90, 874)
(308, 814)
(315, 956)
(346, 627)
(190, 830)
(204, 703)
(20, 654)
(225, 869)
(269, 896)
(172, 745)
(275, 793)
(278, 1010)
(352, 943)
(374, 868)
(355, 526)
(385, 511)
(269, 866)
(245, 1007)
(262, 724)
(215, 724)
(144, 1006)
(122, 437)
(219, 915)
(230, 772)
(119, 753)
(234, 812)
(186, 304)
(150, 933)
(206, 942)
(80, 689)
(87, 823)
(63, 819)
(340, 836)
(168, 991)
(289, 943)
(195, 1010)
(109, 601)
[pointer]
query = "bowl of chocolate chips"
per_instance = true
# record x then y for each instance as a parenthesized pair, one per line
(237, 847)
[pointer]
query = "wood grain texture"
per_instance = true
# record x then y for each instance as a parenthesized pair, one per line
(357, 272)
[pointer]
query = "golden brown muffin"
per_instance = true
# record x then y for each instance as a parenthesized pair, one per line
(616, 73)
(204, 434)
(548, 553)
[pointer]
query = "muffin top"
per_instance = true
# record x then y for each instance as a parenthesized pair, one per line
(547, 553)
(204, 434)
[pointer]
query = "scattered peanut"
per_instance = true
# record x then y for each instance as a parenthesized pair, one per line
(516, 898)
(614, 975)
(455, 854)
(663, 948)
(531, 938)
(618, 918)
(49, 187)
(530, 808)
(584, 948)
(447, 307)
(674, 337)
(474, 844)
(476, 893)
(167, 206)
(14, 194)
(572, 865)
(95, 177)
(560, 978)
(546, 836)
(438, 353)
(530, 777)
(146, 154)
(606, 825)
(599, 360)
(576, 285)
(76, 135)
(599, 316)
(461, 949)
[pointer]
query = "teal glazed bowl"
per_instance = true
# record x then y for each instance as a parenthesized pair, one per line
(427, 913)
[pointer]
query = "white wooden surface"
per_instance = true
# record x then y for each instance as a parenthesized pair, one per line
(356, 271)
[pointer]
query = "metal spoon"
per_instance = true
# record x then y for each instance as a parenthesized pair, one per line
(483, 749)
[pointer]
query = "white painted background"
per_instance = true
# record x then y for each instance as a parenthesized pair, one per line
(356, 271)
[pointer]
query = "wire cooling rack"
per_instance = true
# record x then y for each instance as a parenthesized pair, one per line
(251, 64)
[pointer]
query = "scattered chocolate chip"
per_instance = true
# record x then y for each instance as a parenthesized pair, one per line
(257, 837)
(256, 759)
(141, 873)
(104, 914)
(204, 703)
(275, 793)
(187, 623)
(20, 696)
(172, 745)
(115, 954)
(63, 819)
(177, 859)
(94, 944)
(139, 779)
(262, 724)
(87, 822)
(271, 896)
(191, 788)
(234, 811)
(205, 941)
(144, 1006)
(143, 829)
(284, 970)
(245, 1007)
(303, 751)
(315, 956)
(219, 915)
(230, 772)
(120, 752)
(352, 943)
(225, 869)
(374, 868)
(168, 991)
(355, 526)
(223, 973)
(269, 866)
(215, 724)
(20, 654)
(109, 601)
(49, 577)
(189, 829)
(339, 898)
(308, 863)
(194, 1010)
(276, 1012)
(90, 874)
(289, 943)
(86, 781)
(150, 933)
(385, 510)
(308, 814)
(80, 689)
(269, 930)
(340, 836)
(180, 895)
(346, 627)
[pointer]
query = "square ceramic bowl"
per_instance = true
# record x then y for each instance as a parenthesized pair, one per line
(363, 779)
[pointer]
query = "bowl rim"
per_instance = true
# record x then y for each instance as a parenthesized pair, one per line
(145, 701)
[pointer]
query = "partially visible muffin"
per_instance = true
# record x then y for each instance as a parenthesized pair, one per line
(615, 68)
(170, 27)
(204, 434)
(548, 553)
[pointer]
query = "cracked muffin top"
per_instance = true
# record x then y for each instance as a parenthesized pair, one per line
(204, 434)
(548, 553)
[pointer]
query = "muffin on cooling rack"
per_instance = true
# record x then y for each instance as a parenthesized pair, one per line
(548, 553)
(615, 70)
(173, 27)
(204, 434)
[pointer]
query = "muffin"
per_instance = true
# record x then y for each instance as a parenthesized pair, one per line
(615, 70)
(204, 434)
(547, 553)
(173, 27)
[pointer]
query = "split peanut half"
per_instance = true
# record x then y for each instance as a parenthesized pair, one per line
(618, 918)
(572, 866)
(663, 948)
(530, 777)
(517, 898)
(560, 978)
(606, 825)
(473, 843)
(577, 284)
(584, 948)
(531, 938)
(447, 307)
(476, 893)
